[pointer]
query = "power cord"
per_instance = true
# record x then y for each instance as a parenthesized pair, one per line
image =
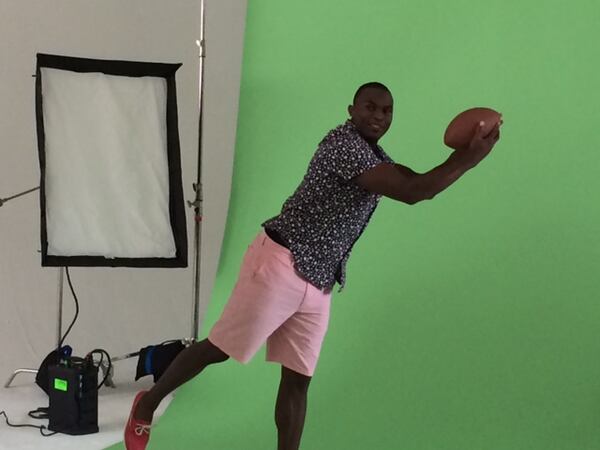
(76, 308)
(102, 353)
(39, 427)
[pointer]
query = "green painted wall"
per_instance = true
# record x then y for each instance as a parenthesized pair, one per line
(470, 322)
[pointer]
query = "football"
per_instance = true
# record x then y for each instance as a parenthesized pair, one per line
(461, 129)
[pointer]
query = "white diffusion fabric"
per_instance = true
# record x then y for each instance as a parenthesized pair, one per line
(107, 176)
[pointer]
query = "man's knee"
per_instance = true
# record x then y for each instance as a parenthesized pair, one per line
(216, 355)
(294, 381)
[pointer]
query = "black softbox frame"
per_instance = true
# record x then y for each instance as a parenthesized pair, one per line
(176, 201)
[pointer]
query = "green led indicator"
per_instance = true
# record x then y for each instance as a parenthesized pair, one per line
(61, 385)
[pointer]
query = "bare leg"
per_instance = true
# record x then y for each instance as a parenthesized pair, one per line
(290, 409)
(188, 363)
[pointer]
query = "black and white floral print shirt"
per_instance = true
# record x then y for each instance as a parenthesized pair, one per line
(328, 212)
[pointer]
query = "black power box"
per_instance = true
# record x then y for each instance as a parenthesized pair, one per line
(73, 392)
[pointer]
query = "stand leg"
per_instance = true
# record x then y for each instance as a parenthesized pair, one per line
(18, 371)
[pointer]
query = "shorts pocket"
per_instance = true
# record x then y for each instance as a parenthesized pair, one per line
(271, 265)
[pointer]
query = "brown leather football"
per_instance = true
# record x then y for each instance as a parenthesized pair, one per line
(462, 128)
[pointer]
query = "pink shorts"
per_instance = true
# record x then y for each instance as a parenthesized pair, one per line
(271, 302)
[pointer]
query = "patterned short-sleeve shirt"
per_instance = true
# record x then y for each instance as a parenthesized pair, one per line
(328, 212)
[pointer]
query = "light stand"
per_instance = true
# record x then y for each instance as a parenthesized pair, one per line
(197, 204)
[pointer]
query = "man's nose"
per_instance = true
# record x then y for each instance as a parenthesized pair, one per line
(378, 114)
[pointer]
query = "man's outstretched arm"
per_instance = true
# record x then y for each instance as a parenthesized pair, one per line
(403, 184)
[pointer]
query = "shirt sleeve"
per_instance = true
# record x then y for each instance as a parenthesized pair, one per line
(347, 156)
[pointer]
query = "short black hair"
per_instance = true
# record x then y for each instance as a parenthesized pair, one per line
(372, 84)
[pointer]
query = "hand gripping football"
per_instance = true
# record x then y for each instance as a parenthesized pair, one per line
(461, 129)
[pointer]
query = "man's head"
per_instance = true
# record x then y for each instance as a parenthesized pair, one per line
(372, 110)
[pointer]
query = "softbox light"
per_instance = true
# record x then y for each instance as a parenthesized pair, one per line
(111, 190)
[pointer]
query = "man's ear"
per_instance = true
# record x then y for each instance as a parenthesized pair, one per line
(350, 109)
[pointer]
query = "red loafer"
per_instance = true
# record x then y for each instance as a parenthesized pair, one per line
(137, 432)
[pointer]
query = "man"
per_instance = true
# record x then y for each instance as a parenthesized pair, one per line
(283, 292)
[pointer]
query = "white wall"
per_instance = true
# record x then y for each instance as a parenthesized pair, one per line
(121, 309)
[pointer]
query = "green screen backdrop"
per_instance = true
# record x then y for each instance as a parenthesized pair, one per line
(471, 321)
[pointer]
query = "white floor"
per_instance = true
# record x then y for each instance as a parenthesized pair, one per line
(113, 409)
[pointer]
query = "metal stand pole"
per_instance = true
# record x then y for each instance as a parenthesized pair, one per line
(197, 203)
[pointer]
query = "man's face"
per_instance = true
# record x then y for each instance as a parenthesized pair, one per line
(372, 113)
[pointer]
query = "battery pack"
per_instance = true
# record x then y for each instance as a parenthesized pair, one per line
(73, 392)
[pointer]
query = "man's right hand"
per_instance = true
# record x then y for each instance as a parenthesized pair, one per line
(480, 145)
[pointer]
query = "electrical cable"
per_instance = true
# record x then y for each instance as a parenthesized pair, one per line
(76, 310)
(26, 425)
(102, 353)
